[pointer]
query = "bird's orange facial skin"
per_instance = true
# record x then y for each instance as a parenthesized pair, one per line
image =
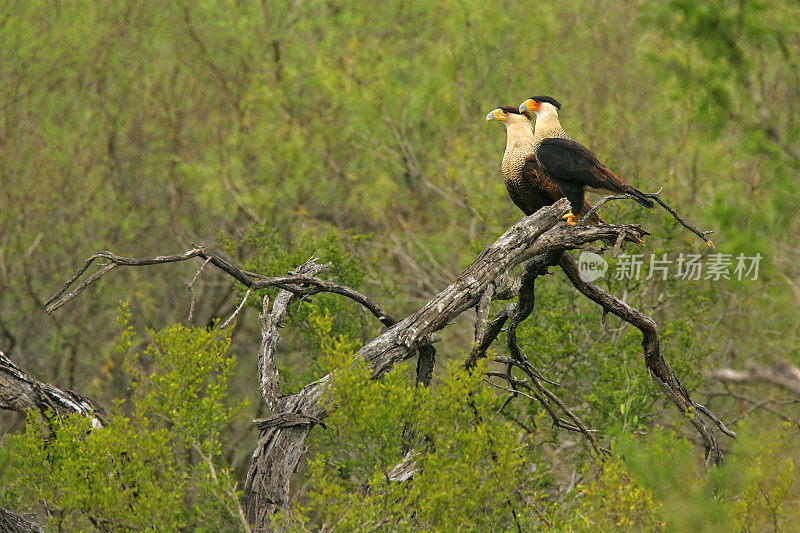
(532, 105)
(499, 114)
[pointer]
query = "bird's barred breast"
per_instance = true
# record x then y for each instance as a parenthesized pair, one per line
(513, 161)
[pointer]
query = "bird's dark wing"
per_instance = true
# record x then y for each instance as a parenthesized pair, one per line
(532, 173)
(571, 163)
(565, 159)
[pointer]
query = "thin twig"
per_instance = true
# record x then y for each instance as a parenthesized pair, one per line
(597, 206)
(576, 423)
(655, 196)
(244, 300)
(79, 289)
(515, 392)
(525, 364)
(191, 288)
(694, 229)
(722, 427)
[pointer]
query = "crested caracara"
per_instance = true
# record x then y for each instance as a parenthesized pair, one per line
(568, 163)
(523, 181)
(527, 185)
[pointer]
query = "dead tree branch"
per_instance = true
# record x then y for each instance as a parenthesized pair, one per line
(658, 366)
(21, 393)
(533, 235)
(270, 334)
(17, 523)
(781, 374)
(655, 196)
(527, 299)
(298, 284)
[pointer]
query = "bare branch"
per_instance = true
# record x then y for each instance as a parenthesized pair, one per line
(655, 196)
(239, 308)
(405, 469)
(295, 283)
(115, 260)
(270, 334)
(191, 288)
(17, 523)
(781, 374)
(492, 331)
(21, 393)
(94, 277)
(518, 358)
(694, 229)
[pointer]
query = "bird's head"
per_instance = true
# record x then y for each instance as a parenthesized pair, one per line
(508, 114)
(541, 105)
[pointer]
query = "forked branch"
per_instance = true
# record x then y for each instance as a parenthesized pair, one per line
(655, 196)
(299, 284)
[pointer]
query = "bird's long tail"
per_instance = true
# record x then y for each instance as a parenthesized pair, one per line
(639, 196)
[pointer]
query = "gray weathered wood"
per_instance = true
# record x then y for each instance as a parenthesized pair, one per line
(21, 393)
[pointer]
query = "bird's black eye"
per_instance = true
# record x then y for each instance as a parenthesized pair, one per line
(505, 112)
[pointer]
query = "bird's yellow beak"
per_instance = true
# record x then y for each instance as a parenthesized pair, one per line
(529, 105)
(495, 114)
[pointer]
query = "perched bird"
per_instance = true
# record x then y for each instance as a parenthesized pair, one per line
(527, 185)
(522, 179)
(568, 163)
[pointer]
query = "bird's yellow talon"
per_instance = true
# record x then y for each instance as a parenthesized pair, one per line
(570, 218)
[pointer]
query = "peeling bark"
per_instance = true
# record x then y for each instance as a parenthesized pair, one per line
(21, 393)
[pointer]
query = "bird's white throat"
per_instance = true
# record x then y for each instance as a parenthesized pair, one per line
(518, 133)
(547, 123)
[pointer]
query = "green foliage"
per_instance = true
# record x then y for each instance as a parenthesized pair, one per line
(611, 501)
(475, 471)
(265, 250)
(734, 68)
(756, 491)
(478, 469)
(158, 463)
(123, 477)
